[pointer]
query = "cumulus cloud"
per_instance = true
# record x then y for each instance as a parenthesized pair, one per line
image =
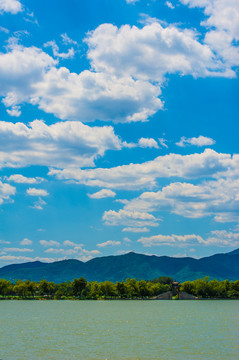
(196, 141)
(104, 193)
(37, 192)
(6, 191)
(216, 238)
(20, 179)
(170, 240)
(76, 252)
(145, 175)
(148, 142)
(26, 242)
(222, 19)
(109, 243)
(11, 6)
(49, 243)
(20, 68)
(223, 238)
(96, 95)
(60, 251)
(30, 75)
(57, 145)
(14, 111)
(69, 243)
(128, 67)
(217, 198)
(151, 52)
(129, 218)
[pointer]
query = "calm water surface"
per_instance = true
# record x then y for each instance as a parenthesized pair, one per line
(129, 330)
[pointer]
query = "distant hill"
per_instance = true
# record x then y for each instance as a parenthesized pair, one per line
(131, 265)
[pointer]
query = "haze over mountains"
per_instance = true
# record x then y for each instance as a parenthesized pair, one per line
(131, 265)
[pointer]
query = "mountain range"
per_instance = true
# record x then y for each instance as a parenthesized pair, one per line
(130, 265)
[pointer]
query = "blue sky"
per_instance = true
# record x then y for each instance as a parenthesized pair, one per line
(118, 128)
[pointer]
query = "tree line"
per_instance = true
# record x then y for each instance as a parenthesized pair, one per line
(203, 288)
(128, 289)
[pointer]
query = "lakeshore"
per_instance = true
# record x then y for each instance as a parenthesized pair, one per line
(162, 288)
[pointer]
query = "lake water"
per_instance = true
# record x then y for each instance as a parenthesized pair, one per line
(165, 329)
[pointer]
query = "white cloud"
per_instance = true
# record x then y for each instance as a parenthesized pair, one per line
(104, 193)
(129, 218)
(135, 230)
(217, 198)
(49, 243)
(129, 65)
(67, 40)
(11, 6)
(145, 175)
(222, 19)
(76, 252)
(3, 29)
(69, 243)
(38, 205)
(59, 145)
(131, 1)
(109, 243)
(148, 142)
(20, 68)
(127, 240)
(196, 141)
(60, 251)
(87, 252)
(14, 111)
(30, 75)
(72, 244)
(170, 5)
(17, 250)
(4, 242)
(55, 48)
(37, 192)
(223, 238)
(26, 242)
(6, 191)
(11, 259)
(216, 238)
(151, 52)
(170, 240)
(162, 142)
(20, 179)
(96, 95)
(85, 258)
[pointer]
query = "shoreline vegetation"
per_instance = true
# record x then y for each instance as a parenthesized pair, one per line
(130, 289)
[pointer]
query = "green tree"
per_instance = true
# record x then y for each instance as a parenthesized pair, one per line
(6, 287)
(132, 288)
(78, 285)
(46, 288)
(108, 289)
(121, 289)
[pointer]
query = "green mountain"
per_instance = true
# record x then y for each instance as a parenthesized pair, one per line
(131, 265)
